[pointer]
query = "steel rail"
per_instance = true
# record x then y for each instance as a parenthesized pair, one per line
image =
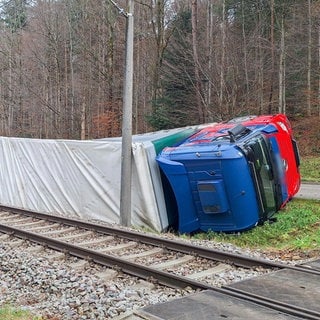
(126, 266)
(179, 246)
(274, 304)
(162, 277)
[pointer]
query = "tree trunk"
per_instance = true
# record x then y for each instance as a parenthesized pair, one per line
(270, 108)
(196, 59)
(260, 66)
(210, 58)
(309, 60)
(245, 62)
(282, 101)
(223, 57)
(319, 69)
(83, 121)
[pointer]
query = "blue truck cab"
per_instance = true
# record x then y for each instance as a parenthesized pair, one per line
(228, 180)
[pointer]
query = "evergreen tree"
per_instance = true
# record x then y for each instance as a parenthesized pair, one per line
(177, 107)
(14, 14)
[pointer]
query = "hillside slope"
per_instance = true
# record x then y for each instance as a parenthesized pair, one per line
(307, 133)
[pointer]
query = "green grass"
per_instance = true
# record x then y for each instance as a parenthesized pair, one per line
(310, 169)
(297, 227)
(11, 313)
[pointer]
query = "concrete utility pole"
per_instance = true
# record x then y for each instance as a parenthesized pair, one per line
(126, 155)
(126, 166)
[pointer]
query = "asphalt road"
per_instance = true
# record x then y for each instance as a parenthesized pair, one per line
(309, 191)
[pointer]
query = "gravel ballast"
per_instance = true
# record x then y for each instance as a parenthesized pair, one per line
(55, 289)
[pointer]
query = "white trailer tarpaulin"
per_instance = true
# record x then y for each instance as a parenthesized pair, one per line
(82, 178)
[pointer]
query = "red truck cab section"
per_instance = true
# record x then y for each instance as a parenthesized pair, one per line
(288, 147)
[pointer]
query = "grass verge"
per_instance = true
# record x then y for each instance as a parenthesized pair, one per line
(11, 313)
(309, 169)
(297, 229)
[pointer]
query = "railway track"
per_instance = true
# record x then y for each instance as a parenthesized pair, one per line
(167, 262)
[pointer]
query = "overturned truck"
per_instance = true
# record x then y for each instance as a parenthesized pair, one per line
(231, 176)
(222, 177)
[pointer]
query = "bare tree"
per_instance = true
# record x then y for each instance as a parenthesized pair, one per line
(282, 70)
(309, 90)
(194, 20)
(223, 56)
(318, 102)
(272, 42)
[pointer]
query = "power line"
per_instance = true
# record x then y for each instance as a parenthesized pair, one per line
(121, 10)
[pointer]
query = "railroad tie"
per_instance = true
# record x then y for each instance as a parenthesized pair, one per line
(78, 235)
(16, 243)
(173, 262)
(42, 228)
(20, 220)
(215, 270)
(119, 247)
(107, 275)
(57, 232)
(79, 265)
(56, 256)
(4, 236)
(96, 241)
(5, 214)
(35, 249)
(144, 254)
(30, 224)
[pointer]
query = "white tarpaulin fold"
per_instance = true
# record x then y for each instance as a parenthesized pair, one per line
(82, 178)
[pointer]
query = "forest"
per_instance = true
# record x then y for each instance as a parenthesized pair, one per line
(195, 61)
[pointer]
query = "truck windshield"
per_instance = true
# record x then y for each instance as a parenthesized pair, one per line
(259, 155)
